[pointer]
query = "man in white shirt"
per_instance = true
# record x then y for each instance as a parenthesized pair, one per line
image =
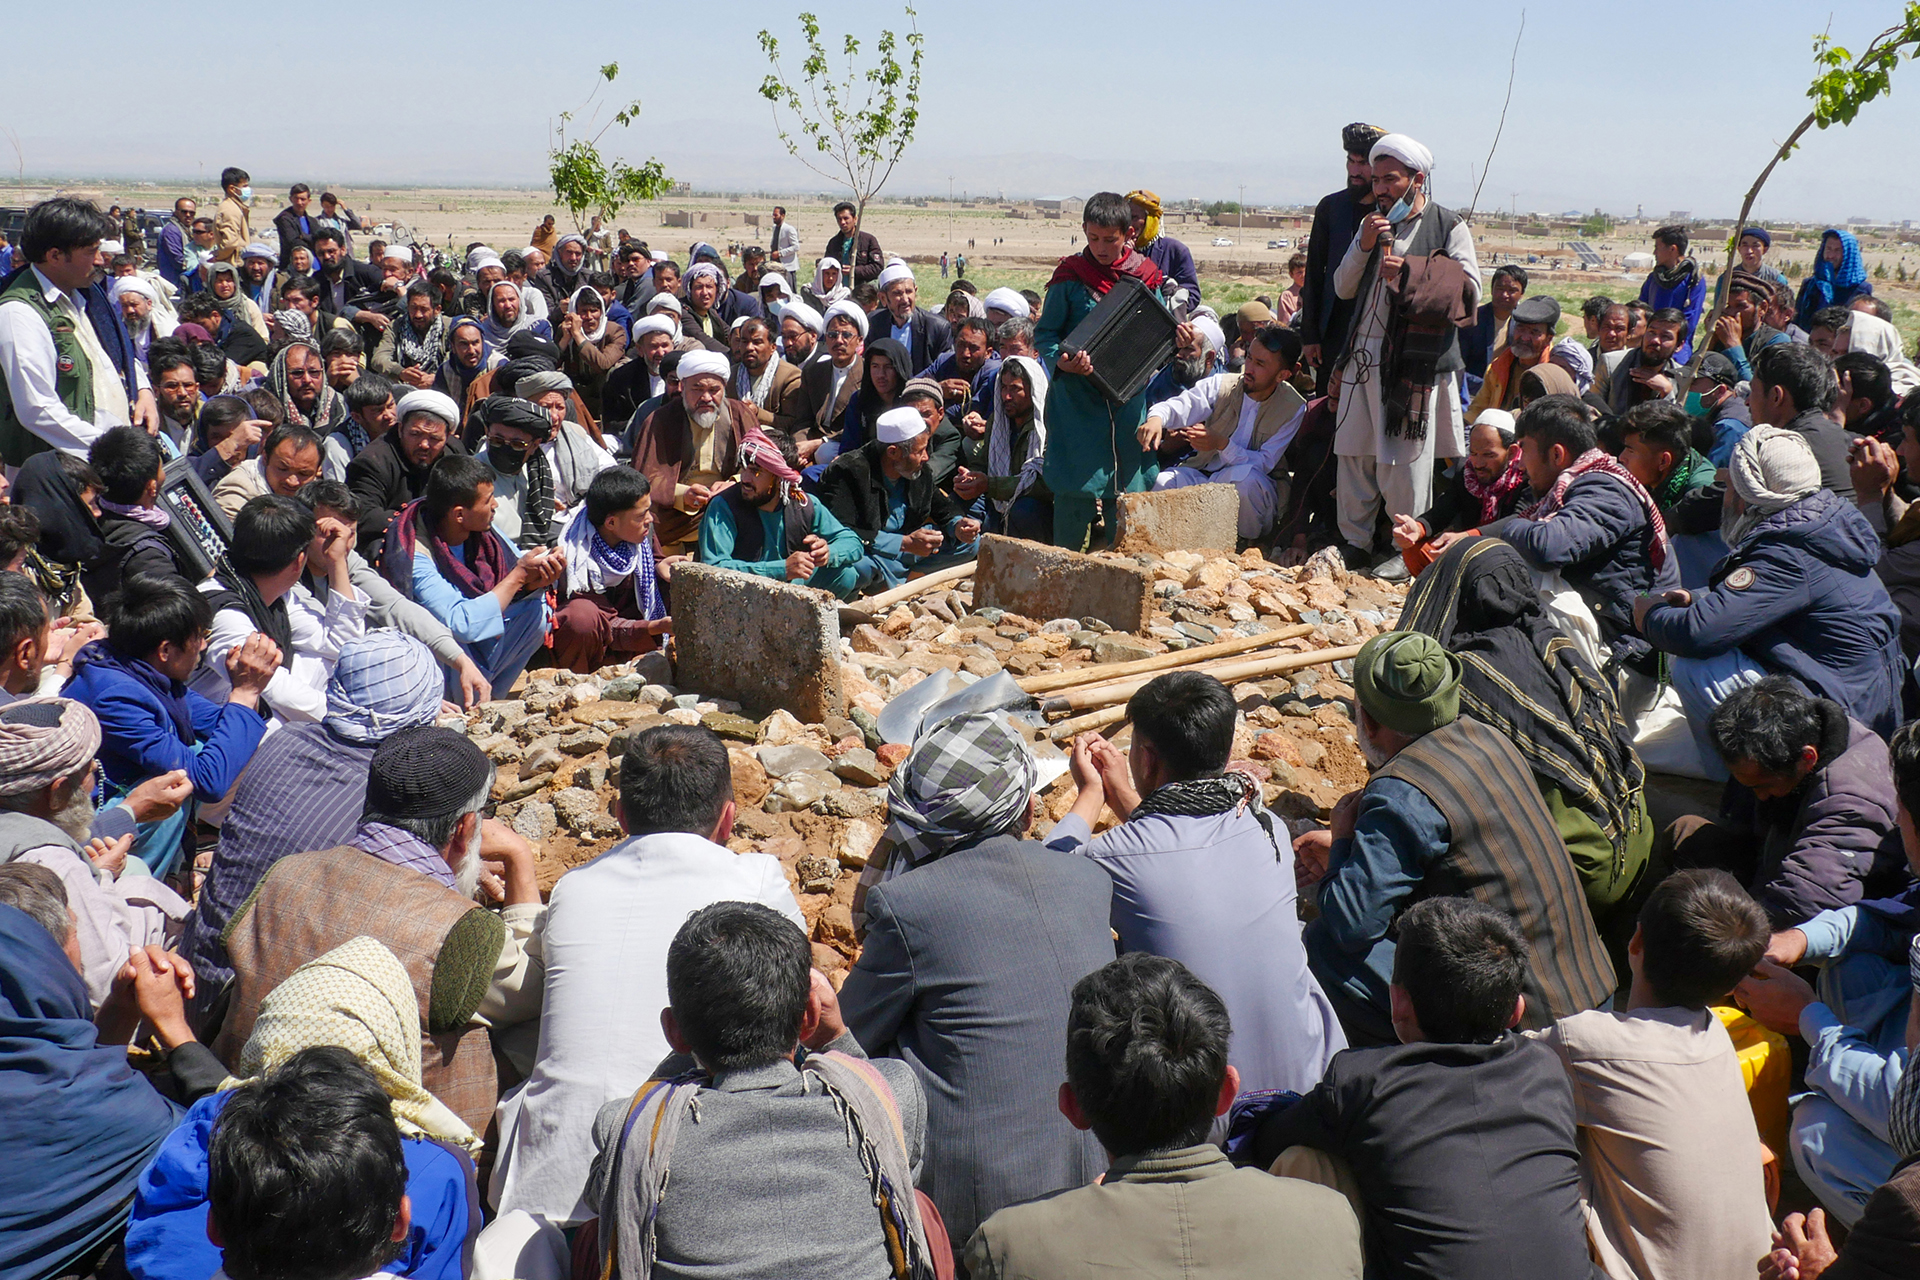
(1241, 425)
(275, 542)
(61, 389)
(606, 934)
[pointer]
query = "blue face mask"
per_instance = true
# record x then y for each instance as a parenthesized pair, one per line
(1399, 211)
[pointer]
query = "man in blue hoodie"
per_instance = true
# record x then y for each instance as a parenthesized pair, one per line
(150, 722)
(1797, 597)
(1675, 281)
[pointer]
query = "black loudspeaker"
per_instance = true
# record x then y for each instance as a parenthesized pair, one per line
(1129, 335)
(200, 532)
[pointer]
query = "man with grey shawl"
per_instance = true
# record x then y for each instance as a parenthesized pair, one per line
(767, 1144)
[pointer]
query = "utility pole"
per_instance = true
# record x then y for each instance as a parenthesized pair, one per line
(949, 208)
(1243, 212)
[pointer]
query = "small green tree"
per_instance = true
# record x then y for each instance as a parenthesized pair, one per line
(1844, 85)
(1596, 226)
(857, 126)
(1880, 272)
(585, 182)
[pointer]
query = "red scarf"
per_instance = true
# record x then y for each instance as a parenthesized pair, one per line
(485, 565)
(1084, 268)
(1492, 493)
(1605, 463)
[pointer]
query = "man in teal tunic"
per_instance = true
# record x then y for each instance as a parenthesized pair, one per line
(1093, 450)
(768, 526)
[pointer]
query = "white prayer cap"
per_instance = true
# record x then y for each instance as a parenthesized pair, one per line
(1211, 333)
(695, 364)
(896, 426)
(532, 249)
(484, 257)
(425, 400)
(655, 323)
(1500, 420)
(806, 315)
(896, 271)
(1009, 301)
(664, 302)
(738, 321)
(845, 307)
(398, 252)
(1405, 150)
(254, 250)
(113, 248)
(659, 255)
(134, 284)
(1204, 310)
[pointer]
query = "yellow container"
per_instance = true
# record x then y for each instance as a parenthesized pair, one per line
(1767, 1067)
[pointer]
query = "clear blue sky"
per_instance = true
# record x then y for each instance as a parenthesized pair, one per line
(1615, 105)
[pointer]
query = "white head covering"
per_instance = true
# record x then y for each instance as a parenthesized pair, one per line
(599, 333)
(1009, 301)
(425, 400)
(572, 237)
(258, 250)
(1771, 469)
(1405, 150)
(665, 302)
(133, 284)
(483, 257)
(806, 315)
(654, 323)
(531, 249)
(1000, 459)
(399, 253)
(1212, 334)
(699, 269)
(774, 280)
(1500, 420)
(659, 255)
(895, 426)
(113, 248)
(840, 289)
(695, 364)
(895, 270)
(738, 321)
(846, 308)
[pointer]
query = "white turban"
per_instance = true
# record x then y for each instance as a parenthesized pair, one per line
(1405, 150)
(437, 403)
(806, 315)
(1009, 301)
(113, 248)
(398, 252)
(572, 237)
(897, 271)
(1211, 333)
(655, 323)
(1771, 469)
(664, 302)
(659, 255)
(258, 250)
(694, 364)
(134, 284)
(845, 307)
(699, 269)
(484, 257)
(895, 426)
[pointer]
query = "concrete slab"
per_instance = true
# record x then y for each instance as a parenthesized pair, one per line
(764, 644)
(1044, 582)
(1200, 517)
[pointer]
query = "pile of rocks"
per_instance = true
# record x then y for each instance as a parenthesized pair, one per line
(815, 795)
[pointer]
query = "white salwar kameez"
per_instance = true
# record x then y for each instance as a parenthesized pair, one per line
(1239, 464)
(1375, 468)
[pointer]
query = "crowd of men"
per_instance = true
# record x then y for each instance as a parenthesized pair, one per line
(283, 1001)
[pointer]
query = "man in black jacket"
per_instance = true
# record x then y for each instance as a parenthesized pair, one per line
(925, 335)
(349, 288)
(855, 250)
(130, 467)
(392, 470)
(295, 225)
(1336, 219)
(1461, 1137)
(885, 492)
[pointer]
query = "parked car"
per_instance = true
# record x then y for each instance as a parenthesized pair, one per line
(1221, 242)
(1279, 244)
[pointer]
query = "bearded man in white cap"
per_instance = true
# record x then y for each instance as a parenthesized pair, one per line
(924, 334)
(885, 492)
(690, 446)
(800, 331)
(1400, 406)
(637, 379)
(392, 470)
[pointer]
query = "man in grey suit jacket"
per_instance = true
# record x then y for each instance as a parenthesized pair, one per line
(968, 970)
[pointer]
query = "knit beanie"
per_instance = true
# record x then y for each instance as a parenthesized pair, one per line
(425, 772)
(1406, 681)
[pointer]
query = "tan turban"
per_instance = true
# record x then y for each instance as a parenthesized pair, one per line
(43, 740)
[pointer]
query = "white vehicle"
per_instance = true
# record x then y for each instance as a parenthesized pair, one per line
(1279, 244)
(1221, 242)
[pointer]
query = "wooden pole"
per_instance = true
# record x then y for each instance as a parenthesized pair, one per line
(888, 599)
(1067, 730)
(1226, 673)
(1160, 661)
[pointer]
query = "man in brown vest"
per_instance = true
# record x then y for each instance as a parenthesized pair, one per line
(1451, 811)
(407, 879)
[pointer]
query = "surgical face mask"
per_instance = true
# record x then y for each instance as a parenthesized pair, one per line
(506, 461)
(246, 195)
(1400, 210)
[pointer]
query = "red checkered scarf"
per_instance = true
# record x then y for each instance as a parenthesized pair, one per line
(1492, 492)
(1605, 463)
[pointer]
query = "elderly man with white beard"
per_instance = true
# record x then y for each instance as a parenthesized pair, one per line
(48, 768)
(408, 878)
(139, 301)
(690, 446)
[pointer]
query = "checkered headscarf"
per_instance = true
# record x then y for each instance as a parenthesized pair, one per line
(967, 777)
(383, 683)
